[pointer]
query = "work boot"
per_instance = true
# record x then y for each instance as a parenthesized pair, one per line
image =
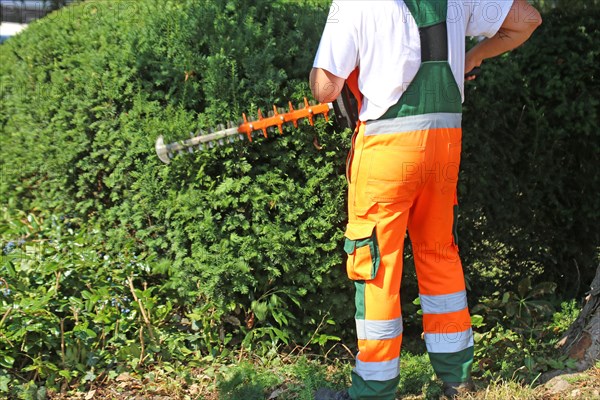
(453, 390)
(328, 394)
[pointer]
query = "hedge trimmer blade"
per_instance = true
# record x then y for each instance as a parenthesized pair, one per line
(244, 130)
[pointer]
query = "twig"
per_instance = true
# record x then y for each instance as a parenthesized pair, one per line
(578, 276)
(347, 349)
(330, 350)
(142, 355)
(517, 370)
(241, 353)
(141, 305)
(2, 323)
(536, 378)
(5, 316)
(75, 314)
(314, 333)
(62, 341)
(57, 284)
(289, 355)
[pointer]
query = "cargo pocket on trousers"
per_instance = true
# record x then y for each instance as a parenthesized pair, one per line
(363, 251)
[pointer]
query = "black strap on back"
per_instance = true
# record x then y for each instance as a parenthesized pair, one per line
(434, 42)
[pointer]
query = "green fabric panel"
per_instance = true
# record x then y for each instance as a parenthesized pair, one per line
(455, 225)
(428, 12)
(453, 367)
(360, 300)
(375, 255)
(375, 390)
(351, 245)
(433, 90)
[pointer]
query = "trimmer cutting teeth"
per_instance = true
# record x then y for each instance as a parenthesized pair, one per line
(345, 116)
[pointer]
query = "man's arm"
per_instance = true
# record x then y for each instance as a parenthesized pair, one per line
(518, 26)
(324, 85)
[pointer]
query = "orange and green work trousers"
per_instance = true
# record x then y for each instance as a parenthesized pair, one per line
(402, 173)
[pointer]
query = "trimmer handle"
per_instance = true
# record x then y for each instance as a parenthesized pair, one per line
(474, 72)
(346, 109)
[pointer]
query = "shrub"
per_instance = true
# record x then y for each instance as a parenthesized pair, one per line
(251, 229)
(72, 313)
(528, 182)
(416, 374)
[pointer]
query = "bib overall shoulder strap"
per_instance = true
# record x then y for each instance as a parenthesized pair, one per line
(434, 88)
(430, 17)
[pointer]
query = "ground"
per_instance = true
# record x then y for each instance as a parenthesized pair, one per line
(584, 385)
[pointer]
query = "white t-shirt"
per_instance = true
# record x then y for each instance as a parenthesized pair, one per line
(382, 37)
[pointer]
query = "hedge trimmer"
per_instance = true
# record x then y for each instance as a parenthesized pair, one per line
(345, 116)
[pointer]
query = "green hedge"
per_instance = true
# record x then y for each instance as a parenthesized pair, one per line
(529, 185)
(255, 230)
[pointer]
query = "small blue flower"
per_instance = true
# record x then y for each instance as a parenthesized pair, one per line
(21, 242)
(9, 247)
(126, 311)
(6, 292)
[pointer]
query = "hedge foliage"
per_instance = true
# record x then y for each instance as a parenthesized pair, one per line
(530, 173)
(254, 230)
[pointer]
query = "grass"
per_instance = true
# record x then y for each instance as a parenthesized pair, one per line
(297, 379)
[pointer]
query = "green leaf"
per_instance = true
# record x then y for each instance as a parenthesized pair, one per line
(89, 376)
(512, 309)
(281, 335)
(477, 321)
(524, 287)
(7, 361)
(65, 373)
(543, 289)
(4, 381)
(260, 310)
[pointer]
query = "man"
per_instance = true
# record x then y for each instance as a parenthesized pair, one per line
(407, 58)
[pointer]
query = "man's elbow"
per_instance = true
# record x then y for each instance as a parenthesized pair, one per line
(325, 86)
(522, 22)
(535, 20)
(322, 97)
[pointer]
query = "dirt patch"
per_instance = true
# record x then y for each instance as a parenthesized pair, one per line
(582, 385)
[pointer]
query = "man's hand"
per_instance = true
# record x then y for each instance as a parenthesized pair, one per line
(518, 26)
(470, 65)
(325, 86)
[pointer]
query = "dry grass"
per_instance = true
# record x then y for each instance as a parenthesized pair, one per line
(584, 386)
